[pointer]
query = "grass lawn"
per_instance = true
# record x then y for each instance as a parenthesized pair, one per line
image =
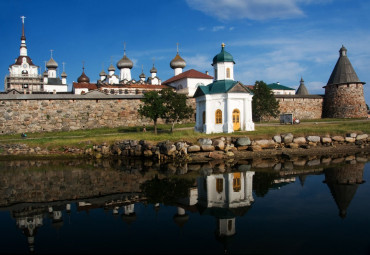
(86, 138)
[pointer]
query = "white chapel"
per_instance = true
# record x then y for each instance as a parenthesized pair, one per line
(225, 105)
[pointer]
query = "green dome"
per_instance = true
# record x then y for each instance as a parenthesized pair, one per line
(223, 56)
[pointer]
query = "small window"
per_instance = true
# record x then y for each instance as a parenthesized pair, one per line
(218, 116)
(204, 117)
(126, 91)
(120, 91)
(227, 72)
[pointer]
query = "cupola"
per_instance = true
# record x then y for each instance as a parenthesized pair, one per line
(177, 63)
(223, 56)
(83, 78)
(52, 64)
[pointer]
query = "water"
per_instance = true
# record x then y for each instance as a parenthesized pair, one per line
(294, 206)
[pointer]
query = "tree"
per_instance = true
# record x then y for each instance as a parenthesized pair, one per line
(264, 103)
(177, 109)
(153, 107)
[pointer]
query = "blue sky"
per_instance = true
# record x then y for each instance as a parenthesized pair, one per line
(271, 40)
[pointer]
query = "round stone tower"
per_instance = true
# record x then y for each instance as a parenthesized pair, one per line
(344, 93)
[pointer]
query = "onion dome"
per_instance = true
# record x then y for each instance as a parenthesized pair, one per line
(111, 68)
(142, 75)
(102, 73)
(45, 73)
(153, 70)
(125, 62)
(83, 78)
(223, 56)
(177, 62)
(51, 64)
(64, 75)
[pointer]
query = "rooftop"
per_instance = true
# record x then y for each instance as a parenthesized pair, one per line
(188, 74)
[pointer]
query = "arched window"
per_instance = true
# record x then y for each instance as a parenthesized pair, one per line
(219, 185)
(218, 116)
(228, 72)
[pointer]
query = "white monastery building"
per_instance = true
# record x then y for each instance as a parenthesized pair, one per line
(186, 82)
(225, 105)
(24, 75)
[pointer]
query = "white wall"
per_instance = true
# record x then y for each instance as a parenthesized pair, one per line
(226, 102)
(57, 88)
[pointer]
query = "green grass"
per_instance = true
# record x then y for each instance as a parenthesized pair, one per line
(86, 138)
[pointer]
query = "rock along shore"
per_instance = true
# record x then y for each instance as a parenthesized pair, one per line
(206, 149)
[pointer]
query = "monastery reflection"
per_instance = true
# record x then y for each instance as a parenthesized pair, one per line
(224, 195)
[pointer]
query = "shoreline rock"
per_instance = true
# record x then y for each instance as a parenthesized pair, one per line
(205, 149)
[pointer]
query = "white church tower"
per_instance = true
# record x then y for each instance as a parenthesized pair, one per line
(125, 65)
(177, 63)
(223, 65)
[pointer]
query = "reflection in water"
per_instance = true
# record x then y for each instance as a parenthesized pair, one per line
(224, 193)
(343, 183)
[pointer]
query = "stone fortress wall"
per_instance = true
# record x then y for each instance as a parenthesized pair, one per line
(302, 107)
(38, 113)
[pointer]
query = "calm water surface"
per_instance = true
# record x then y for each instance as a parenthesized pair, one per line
(295, 206)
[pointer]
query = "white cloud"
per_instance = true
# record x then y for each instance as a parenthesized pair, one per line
(218, 28)
(198, 62)
(315, 87)
(201, 28)
(249, 9)
(231, 28)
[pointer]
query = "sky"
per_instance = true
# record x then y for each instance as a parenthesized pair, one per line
(270, 40)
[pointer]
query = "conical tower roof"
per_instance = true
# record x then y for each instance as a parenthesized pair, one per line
(302, 90)
(343, 71)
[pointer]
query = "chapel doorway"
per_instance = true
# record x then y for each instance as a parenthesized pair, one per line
(236, 119)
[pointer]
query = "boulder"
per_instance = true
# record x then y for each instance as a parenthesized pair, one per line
(293, 145)
(242, 148)
(219, 144)
(167, 148)
(265, 143)
(216, 155)
(205, 141)
(256, 148)
(361, 137)
(353, 135)
(207, 148)
(230, 154)
(243, 141)
(299, 140)
(194, 148)
(313, 138)
(277, 138)
(350, 139)
(287, 138)
(326, 139)
(338, 138)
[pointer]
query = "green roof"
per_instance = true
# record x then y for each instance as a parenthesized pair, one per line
(220, 86)
(277, 86)
(223, 56)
